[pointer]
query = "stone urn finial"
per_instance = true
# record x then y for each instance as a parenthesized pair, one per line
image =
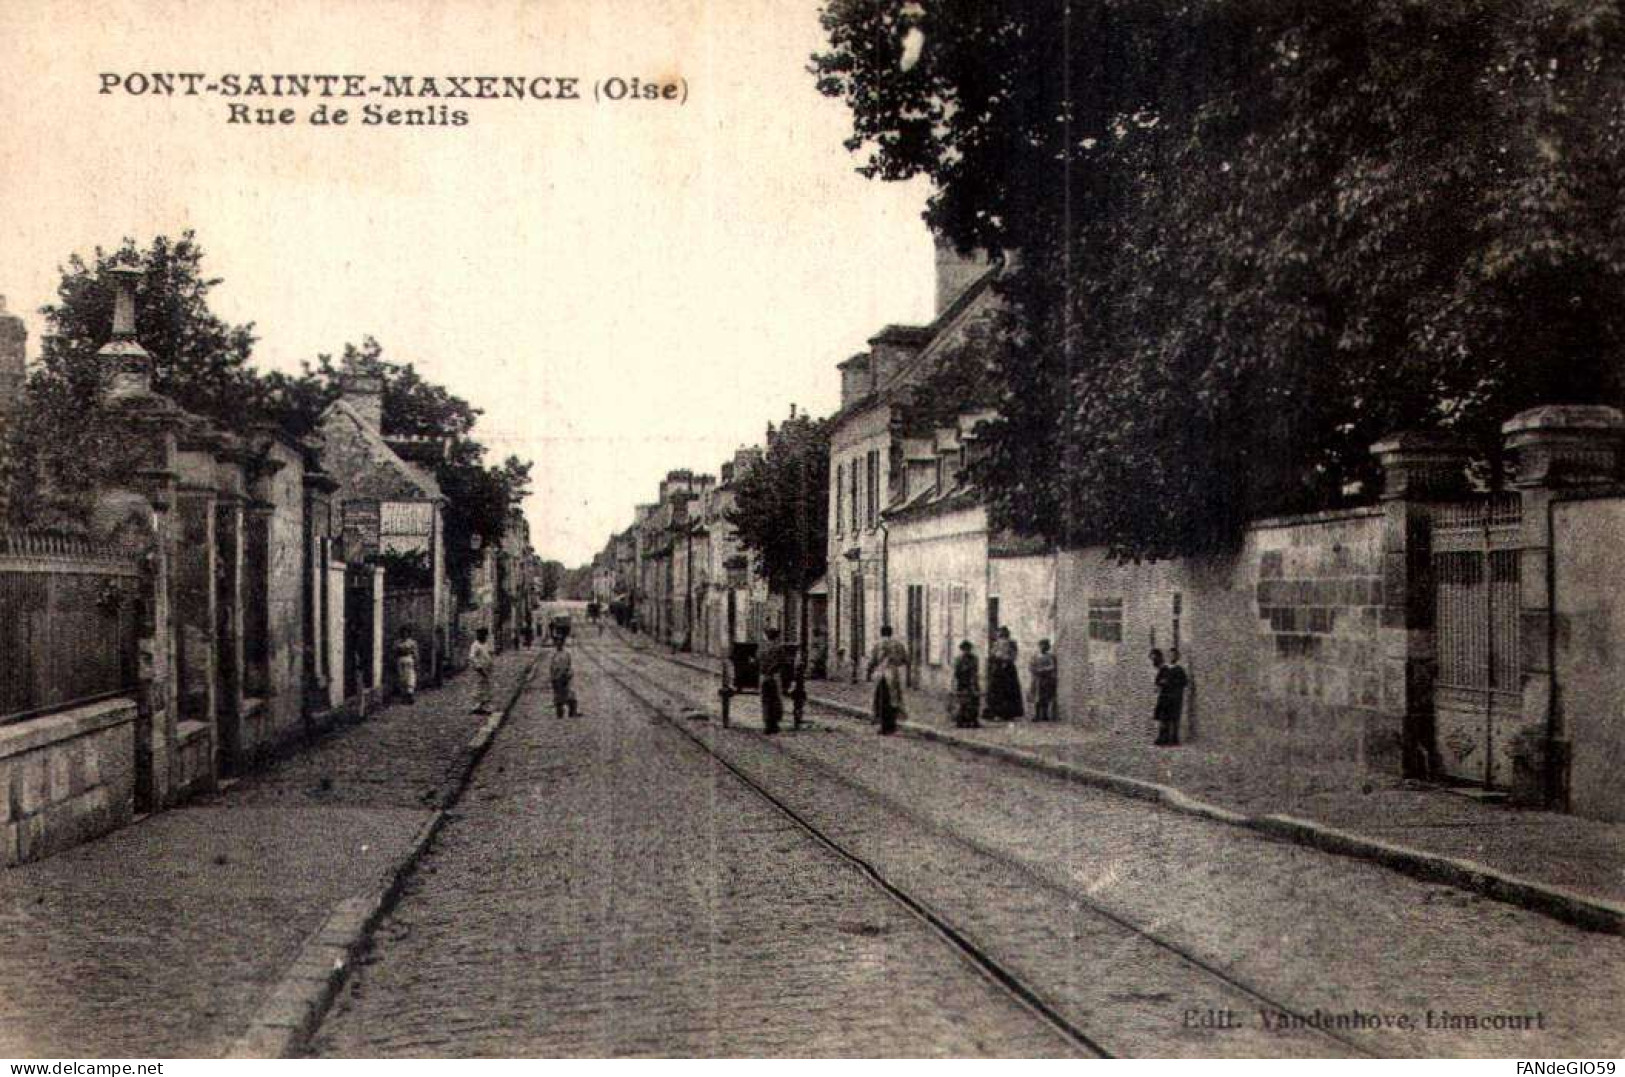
(130, 362)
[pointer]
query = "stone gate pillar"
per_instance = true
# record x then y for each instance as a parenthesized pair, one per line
(1420, 469)
(1556, 447)
(152, 423)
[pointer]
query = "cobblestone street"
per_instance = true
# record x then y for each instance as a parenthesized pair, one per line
(608, 888)
(191, 915)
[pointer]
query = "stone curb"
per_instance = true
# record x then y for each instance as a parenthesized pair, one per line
(291, 1013)
(1571, 907)
(1580, 910)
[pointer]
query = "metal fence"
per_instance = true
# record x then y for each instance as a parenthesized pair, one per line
(69, 620)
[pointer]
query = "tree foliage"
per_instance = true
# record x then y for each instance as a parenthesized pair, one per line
(1253, 237)
(479, 496)
(781, 508)
(63, 444)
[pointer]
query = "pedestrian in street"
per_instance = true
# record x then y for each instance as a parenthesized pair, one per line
(1170, 683)
(891, 658)
(406, 664)
(1045, 673)
(481, 659)
(798, 695)
(967, 687)
(561, 672)
(768, 669)
(1003, 680)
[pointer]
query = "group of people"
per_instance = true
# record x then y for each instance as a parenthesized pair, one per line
(1003, 700)
(1003, 703)
(482, 661)
(1004, 697)
(780, 676)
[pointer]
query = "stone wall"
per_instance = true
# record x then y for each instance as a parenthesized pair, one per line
(1589, 649)
(1284, 641)
(1025, 588)
(1319, 602)
(66, 778)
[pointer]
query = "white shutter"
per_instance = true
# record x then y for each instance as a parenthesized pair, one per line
(939, 621)
(930, 626)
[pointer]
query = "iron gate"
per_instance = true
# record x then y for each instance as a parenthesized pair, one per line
(1478, 696)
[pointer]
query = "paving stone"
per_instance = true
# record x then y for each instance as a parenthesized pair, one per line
(1302, 927)
(164, 939)
(606, 890)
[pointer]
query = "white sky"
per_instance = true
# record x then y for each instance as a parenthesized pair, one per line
(623, 288)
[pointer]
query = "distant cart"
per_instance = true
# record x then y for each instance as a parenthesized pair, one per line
(558, 627)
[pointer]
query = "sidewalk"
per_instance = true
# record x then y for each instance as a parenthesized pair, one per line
(165, 938)
(1561, 864)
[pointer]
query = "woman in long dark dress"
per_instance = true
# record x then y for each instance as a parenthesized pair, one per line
(1003, 680)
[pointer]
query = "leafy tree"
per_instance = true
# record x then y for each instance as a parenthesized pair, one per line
(781, 509)
(479, 496)
(1253, 237)
(63, 444)
(198, 360)
(550, 583)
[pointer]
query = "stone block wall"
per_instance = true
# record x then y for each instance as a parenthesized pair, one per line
(1284, 642)
(1318, 598)
(65, 779)
(1588, 617)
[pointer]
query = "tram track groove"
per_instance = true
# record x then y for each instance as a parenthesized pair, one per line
(1070, 895)
(974, 955)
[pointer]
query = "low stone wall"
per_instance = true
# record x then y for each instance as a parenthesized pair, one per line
(66, 778)
(1284, 642)
(195, 769)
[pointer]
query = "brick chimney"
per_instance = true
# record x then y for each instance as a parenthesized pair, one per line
(128, 360)
(13, 341)
(362, 387)
(956, 272)
(891, 349)
(855, 380)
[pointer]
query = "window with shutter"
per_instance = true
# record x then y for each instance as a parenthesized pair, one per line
(840, 497)
(873, 507)
(931, 634)
(852, 480)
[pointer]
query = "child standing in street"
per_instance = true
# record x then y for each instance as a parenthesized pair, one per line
(481, 659)
(1045, 674)
(561, 672)
(406, 664)
(967, 687)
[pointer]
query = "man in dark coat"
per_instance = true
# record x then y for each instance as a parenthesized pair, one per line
(1171, 682)
(769, 663)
